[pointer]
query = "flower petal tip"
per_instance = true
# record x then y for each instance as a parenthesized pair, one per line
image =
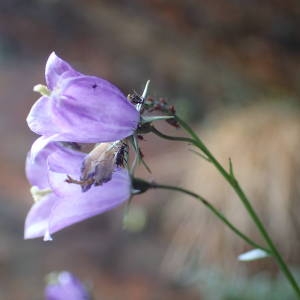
(47, 237)
(145, 89)
(253, 254)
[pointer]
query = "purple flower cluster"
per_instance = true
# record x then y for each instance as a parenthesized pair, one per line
(75, 108)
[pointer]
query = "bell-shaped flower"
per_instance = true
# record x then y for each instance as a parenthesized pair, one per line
(79, 108)
(64, 286)
(60, 204)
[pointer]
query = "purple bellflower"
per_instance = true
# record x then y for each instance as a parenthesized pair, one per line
(65, 286)
(79, 108)
(58, 203)
(69, 186)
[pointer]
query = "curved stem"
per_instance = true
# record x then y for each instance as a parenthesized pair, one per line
(230, 178)
(136, 159)
(172, 138)
(175, 138)
(214, 210)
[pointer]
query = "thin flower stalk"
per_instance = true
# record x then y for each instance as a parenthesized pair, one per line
(233, 182)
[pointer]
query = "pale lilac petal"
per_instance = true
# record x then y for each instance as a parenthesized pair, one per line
(37, 220)
(40, 144)
(58, 184)
(92, 110)
(80, 206)
(40, 117)
(36, 168)
(55, 69)
(61, 163)
(66, 160)
(36, 172)
(63, 160)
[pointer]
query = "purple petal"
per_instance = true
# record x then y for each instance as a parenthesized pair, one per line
(66, 160)
(36, 171)
(91, 110)
(40, 144)
(63, 160)
(66, 286)
(36, 168)
(37, 220)
(53, 213)
(61, 163)
(41, 119)
(85, 109)
(80, 206)
(56, 68)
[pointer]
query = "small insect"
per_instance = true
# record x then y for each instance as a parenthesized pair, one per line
(135, 98)
(121, 156)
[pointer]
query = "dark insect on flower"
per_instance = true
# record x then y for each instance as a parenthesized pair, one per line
(121, 156)
(135, 98)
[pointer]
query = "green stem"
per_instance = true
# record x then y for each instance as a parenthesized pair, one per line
(210, 207)
(237, 188)
(172, 138)
(136, 159)
(276, 254)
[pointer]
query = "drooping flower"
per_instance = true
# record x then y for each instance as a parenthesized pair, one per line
(60, 204)
(65, 286)
(79, 108)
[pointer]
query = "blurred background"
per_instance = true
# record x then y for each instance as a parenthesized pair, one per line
(230, 67)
